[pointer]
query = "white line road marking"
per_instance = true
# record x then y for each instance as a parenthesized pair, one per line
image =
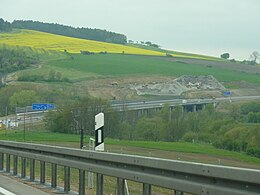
(6, 192)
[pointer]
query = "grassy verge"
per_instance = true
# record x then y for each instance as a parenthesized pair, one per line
(68, 139)
(187, 148)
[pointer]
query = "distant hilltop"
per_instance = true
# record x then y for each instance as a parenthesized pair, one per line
(82, 33)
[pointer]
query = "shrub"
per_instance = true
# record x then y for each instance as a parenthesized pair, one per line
(253, 151)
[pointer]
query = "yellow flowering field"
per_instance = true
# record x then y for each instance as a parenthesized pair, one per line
(49, 41)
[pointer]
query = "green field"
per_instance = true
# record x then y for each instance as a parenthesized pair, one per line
(137, 60)
(98, 65)
(73, 141)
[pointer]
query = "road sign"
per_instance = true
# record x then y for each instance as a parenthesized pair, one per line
(42, 106)
(99, 132)
(227, 93)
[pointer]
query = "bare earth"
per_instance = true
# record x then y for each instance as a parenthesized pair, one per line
(141, 87)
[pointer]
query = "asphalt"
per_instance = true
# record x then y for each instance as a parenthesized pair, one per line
(9, 186)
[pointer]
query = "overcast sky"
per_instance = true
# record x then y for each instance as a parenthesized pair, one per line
(208, 27)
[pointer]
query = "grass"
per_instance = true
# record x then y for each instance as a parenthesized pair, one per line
(47, 41)
(176, 53)
(187, 148)
(126, 65)
(100, 65)
(71, 139)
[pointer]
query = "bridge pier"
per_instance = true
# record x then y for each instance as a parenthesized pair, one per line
(194, 108)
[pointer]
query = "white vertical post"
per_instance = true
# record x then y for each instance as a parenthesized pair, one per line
(99, 132)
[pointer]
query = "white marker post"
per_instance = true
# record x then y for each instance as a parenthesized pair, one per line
(99, 132)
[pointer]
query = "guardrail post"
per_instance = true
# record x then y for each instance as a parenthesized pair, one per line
(32, 170)
(120, 186)
(178, 192)
(1, 161)
(23, 170)
(42, 172)
(100, 182)
(54, 175)
(15, 161)
(147, 189)
(8, 163)
(82, 182)
(66, 179)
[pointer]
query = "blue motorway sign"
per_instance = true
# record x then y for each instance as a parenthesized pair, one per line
(227, 93)
(42, 106)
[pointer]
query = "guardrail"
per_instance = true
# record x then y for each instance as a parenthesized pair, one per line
(195, 178)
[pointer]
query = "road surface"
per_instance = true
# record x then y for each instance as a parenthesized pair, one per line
(9, 186)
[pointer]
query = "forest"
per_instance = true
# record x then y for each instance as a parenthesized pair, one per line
(82, 33)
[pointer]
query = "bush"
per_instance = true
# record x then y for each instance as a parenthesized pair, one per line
(190, 136)
(86, 52)
(253, 151)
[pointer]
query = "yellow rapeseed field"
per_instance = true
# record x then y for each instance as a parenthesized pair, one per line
(48, 41)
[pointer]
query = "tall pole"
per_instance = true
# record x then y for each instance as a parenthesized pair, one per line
(24, 123)
(81, 138)
(6, 123)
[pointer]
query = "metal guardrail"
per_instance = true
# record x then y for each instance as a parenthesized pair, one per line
(195, 178)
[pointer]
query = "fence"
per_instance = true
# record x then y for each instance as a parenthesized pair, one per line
(194, 178)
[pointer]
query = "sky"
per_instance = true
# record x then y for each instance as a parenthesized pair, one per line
(209, 27)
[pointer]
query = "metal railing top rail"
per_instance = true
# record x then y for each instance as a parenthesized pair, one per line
(184, 176)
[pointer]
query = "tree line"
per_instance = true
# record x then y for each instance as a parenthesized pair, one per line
(254, 57)
(83, 33)
(231, 130)
(5, 26)
(237, 128)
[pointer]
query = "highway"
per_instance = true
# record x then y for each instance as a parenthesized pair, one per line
(172, 102)
(137, 105)
(11, 187)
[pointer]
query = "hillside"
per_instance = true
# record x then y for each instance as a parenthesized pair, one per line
(177, 53)
(95, 73)
(83, 33)
(48, 41)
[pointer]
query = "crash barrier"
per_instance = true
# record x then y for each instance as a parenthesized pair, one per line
(180, 176)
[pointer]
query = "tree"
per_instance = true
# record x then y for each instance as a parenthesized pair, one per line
(148, 43)
(255, 56)
(224, 55)
(5, 26)
(23, 98)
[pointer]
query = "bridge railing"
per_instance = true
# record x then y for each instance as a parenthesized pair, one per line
(194, 178)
